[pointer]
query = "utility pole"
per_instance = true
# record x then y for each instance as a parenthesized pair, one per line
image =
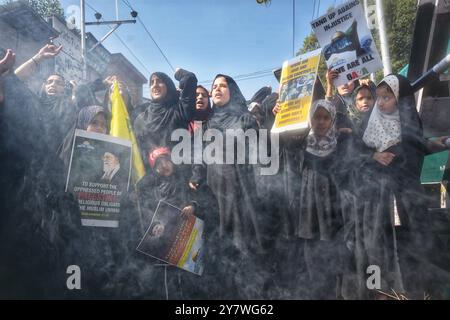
(387, 69)
(98, 16)
(293, 28)
(366, 13)
(83, 38)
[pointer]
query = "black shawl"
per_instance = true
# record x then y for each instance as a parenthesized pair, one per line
(155, 125)
(234, 114)
(234, 185)
(204, 114)
(57, 115)
(28, 230)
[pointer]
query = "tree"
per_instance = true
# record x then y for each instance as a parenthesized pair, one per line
(400, 18)
(311, 43)
(46, 8)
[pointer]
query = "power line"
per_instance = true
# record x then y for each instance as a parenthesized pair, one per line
(131, 52)
(241, 77)
(313, 11)
(318, 9)
(253, 75)
(249, 74)
(151, 37)
(257, 77)
(244, 79)
(123, 43)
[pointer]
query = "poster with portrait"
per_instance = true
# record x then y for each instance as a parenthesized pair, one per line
(174, 239)
(297, 85)
(346, 41)
(99, 177)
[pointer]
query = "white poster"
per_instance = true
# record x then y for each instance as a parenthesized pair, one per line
(347, 44)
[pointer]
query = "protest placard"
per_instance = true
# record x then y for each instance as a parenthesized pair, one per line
(347, 43)
(297, 85)
(99, 175)
(175, 239)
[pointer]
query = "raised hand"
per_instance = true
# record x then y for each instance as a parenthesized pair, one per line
(276, 109)
(48, 51)
(8, 61)
(331, 75)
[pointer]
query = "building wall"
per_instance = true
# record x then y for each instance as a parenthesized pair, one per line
(68, 62)
(24, 47)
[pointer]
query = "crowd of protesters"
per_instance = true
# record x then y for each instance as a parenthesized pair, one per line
(347, 195)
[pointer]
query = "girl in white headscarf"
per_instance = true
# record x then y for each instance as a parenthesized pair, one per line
(390, 182)
(318, 212)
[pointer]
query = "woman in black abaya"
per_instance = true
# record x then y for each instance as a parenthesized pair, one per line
(167, 111)
(234, 187)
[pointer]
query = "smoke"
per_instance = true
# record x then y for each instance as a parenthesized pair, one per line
(40, 231)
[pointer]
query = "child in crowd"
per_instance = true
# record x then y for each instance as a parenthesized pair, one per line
(319, 217)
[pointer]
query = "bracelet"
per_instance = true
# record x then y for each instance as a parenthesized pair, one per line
(34, 61)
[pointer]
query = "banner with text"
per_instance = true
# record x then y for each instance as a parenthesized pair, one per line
(99, 176)
(297, 83)
(346, 41)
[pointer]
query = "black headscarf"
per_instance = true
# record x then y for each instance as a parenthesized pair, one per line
(357, 117)
(154, 126)
(261, 94)
(87, 114)
(54, 104)
(172, 93)
(230, 115)
(58, 113)
(203, 114)
(413, 142)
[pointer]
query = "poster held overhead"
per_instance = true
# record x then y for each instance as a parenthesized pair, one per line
(297, 86)
(347, 43)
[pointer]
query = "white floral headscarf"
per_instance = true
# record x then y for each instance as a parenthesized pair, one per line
(322, 146)
(383, 130)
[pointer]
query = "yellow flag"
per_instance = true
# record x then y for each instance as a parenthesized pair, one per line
(121, 128)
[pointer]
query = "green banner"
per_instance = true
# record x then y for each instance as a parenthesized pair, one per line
(434, 167)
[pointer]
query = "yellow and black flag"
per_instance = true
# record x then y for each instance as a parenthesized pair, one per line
(121, 128)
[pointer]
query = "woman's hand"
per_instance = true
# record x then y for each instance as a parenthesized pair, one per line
(345, 130)
(46, 52)
(331, 75)
(443, 141)
(8, 61)
(188, 211)
(277, 108)
(384, 158)
(109, 80)
(193, 185)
